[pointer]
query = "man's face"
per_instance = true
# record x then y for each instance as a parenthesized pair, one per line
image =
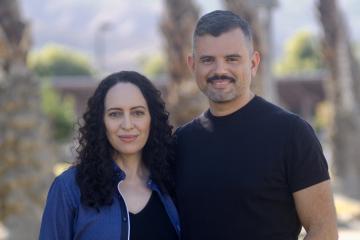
(223, 66)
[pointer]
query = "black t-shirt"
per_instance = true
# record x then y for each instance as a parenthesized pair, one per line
(236, 174)
(152, 222)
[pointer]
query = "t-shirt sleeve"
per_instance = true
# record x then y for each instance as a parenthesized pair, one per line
(57, 220)
(306, 163)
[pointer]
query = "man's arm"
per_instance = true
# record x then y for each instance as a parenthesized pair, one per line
(316, 210)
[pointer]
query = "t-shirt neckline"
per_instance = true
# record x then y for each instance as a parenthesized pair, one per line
(238, 112)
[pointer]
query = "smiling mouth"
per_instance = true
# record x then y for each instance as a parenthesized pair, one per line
(221, 83)
(128, 138)
(220, 78)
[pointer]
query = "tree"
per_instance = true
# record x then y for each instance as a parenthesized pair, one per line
(302, 54)
(343, 88)
(59, 111)
(258, 14)
(357, 51)
(57, 60)
(177, 25)
(26, 152)
(154, 65)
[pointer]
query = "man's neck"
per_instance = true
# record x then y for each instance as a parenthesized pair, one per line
(226, 108)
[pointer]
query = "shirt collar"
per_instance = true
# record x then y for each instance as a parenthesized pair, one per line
(120, 176)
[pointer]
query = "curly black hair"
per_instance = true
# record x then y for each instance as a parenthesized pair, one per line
(95, 170)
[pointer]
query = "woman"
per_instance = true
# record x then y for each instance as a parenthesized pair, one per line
(119, 187)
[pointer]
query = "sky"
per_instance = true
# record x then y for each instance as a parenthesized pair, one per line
(133, 29)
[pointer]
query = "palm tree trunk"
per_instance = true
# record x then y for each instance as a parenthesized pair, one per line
(258, 14)
(25, 159)
(183, 98)
(343, 89)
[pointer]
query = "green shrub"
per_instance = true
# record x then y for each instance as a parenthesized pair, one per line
(60, 111)
(57, 60)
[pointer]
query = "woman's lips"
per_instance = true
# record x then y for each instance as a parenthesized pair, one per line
(128, 138)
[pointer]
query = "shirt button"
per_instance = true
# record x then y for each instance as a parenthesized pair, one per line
(124, 219)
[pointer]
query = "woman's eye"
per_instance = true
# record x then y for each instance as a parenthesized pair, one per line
(114, 114)
(138, 113)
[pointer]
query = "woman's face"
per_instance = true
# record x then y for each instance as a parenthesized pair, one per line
(127, 119)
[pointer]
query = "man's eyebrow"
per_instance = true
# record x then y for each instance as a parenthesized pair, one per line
(234, 55)
(206, 56)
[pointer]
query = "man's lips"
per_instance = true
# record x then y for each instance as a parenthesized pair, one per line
(128, 138)
(220, 83)
(223, 78)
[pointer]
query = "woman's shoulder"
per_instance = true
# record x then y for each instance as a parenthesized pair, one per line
(68, 176)
(66, 181)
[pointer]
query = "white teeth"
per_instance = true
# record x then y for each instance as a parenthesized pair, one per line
(220, 83)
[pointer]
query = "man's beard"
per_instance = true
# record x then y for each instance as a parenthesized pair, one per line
(218, 96)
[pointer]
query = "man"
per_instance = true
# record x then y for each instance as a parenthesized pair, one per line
(246, 169)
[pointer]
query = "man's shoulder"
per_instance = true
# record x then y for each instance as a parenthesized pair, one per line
(275, 111)
(276, 117)
(279, 116)
(189, 127)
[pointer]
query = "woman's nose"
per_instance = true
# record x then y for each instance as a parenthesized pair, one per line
(127, 122)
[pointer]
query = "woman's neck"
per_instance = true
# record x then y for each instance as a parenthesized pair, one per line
(133, 167)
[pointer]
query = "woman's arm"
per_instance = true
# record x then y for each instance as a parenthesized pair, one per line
(58, 217)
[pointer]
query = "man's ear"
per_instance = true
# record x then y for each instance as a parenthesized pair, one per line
(255, 61)
(191, 63)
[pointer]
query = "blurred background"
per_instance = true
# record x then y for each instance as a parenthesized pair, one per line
(54, 53)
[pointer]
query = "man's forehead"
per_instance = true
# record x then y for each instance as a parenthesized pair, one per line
(236, 30)
(231, 41)
(223, 40)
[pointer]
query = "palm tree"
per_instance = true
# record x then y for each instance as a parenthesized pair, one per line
(183, 98)
(258, 14)
(177, 26)
(25, 152)
(343, 88)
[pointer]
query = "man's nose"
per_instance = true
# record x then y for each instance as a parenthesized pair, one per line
(220, 67)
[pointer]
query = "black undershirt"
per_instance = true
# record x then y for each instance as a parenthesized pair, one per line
(152, 222)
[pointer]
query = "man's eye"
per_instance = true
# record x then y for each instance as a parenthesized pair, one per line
(232, 59)
(206, 60)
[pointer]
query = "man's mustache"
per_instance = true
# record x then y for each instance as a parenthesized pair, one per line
(220, 77)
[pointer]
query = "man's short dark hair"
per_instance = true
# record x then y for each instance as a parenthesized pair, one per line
(220, 21)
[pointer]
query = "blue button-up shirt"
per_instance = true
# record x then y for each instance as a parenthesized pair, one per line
(66, 218)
